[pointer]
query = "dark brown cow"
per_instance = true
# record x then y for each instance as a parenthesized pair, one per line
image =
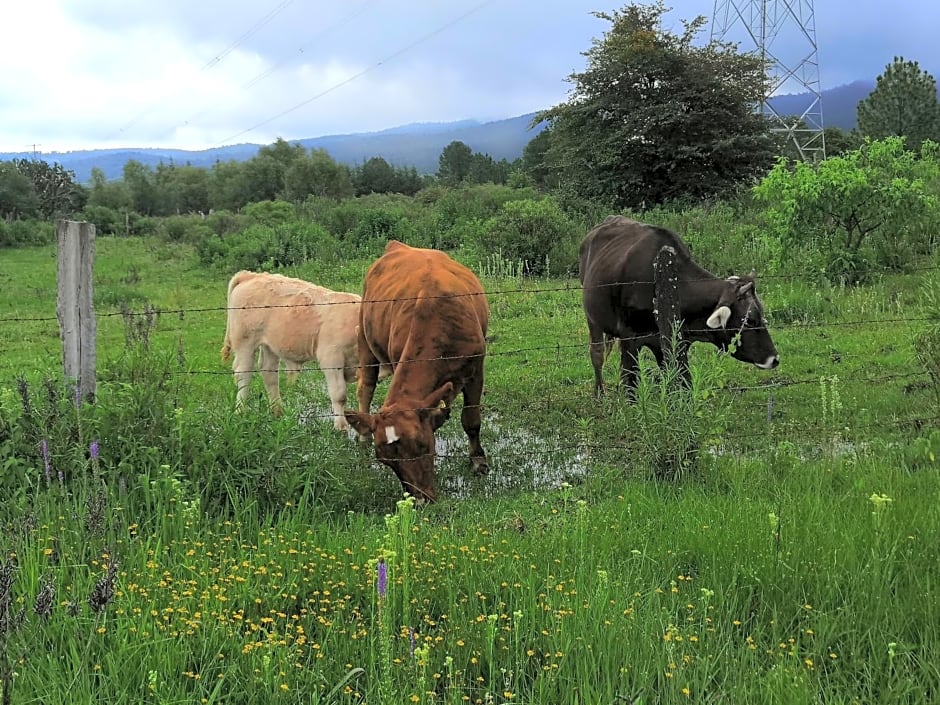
(426, 315)
(617, 276)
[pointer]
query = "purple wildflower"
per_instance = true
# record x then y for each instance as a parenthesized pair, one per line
(382, 577)
(95, 450)
(44, 446)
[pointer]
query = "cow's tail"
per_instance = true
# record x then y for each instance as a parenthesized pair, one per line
(233, 282)
(608, 344)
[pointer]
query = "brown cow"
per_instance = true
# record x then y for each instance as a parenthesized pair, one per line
(293, 321)
(427, 316)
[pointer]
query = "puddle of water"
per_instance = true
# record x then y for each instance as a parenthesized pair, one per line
(519, 460)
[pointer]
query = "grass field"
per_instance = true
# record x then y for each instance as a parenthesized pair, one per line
(198, 556)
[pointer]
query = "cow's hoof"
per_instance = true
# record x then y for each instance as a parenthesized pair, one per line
(480, 466)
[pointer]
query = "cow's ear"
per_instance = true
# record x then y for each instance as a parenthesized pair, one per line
(745, 288)
(719, 318)
(433, 400)
(363, 423)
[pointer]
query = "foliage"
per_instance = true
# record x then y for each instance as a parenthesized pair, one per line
(655, 118)
(26, 232)
(234, 558)
(54, 186)
(267, 247)
(317, 174)
(17, 196)
(903, 104)
(676, 425)
(857, 210)
(535, 233)
(454, 163)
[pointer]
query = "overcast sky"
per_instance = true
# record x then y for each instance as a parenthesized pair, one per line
(81, 74)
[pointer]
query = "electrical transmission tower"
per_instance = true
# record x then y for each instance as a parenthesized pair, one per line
(783, 33)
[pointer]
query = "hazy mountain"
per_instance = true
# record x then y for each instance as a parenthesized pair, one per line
(418, 144)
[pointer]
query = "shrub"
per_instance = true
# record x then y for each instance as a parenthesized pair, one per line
(855, 210)
(191, 229)
(536, 232)
(264, 248)
(673, 423)
(270, 212)
(26, 232)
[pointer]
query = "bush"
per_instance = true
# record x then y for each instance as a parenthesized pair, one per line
(535, 232)
(26, 232)
(855, 212)
(191, 229)
(265, 248)
(270, 212)
(107, 221)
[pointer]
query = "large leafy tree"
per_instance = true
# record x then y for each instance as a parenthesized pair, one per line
(654, 118)
(54, 185)
(317, 174)
(903, 104)
(17, 196)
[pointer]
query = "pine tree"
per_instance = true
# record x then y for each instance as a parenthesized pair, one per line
(903, 104)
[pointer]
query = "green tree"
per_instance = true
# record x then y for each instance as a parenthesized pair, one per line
(375, 176)
(54, 185)
(141, 185)
(903, 104)
(18, 198)
(182, 189)
(535, 164)
(317, 174)
(654, 118)
(266, 172)
(864, 207)
(228, 186)
(453, 166)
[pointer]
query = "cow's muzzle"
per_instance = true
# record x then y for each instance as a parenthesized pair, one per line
(770, 363)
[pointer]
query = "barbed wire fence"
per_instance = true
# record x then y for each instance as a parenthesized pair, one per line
(760, 401)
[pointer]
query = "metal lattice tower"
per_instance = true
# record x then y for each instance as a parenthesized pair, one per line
(792, 63)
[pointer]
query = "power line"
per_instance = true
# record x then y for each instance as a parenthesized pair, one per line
(280, 64)
(356, 76)
(215, 61)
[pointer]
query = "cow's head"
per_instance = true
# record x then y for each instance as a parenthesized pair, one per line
(404, 439)
(739, 312)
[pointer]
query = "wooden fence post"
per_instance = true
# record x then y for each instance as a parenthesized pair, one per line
(74, 303)
(667, 310)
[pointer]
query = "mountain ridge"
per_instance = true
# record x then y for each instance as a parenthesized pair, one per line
(415, 144)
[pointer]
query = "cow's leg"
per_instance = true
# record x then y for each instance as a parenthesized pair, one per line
(366, 380)
(629, 363)
(598, 354)
(269, 373)
(471, 419)
(243, 363)
(335, 372)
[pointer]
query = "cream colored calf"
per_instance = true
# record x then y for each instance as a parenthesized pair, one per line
(291, 321)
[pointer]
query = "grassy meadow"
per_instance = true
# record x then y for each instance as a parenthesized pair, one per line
(772, 537)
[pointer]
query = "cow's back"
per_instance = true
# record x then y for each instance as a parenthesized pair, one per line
(289, 315)
(419, 290)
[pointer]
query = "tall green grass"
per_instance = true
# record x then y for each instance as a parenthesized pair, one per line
(196, 555)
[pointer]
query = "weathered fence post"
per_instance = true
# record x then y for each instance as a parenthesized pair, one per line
(74, 303)
(667, 311)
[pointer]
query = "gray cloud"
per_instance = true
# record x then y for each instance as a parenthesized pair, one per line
(185, 74)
